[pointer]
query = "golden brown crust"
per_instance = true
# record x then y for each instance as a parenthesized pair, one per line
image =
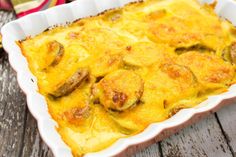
(119, 90)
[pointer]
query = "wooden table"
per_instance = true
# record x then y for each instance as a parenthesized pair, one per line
(214, 136)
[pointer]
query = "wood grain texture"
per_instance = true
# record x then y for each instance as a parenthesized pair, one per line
(13, 105)
(151, 151)
(203, 139)
(33, 146)
(6, 17)
(12, 111)
(227, 119)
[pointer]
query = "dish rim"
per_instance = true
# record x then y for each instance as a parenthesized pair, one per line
(47, 126)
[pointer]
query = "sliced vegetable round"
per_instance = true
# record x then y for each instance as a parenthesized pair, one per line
(58, 49)
(71, 83)
(119, 90)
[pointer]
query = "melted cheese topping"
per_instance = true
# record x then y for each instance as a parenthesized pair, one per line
(112, 75)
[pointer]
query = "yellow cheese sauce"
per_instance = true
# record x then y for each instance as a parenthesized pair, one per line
(110, 76)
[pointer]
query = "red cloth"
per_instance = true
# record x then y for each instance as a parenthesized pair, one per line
(5, 5)
(26, 7)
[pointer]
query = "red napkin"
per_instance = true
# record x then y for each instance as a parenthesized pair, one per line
(24, 7)
(5, 5)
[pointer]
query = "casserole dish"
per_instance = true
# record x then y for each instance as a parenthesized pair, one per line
(24, 29)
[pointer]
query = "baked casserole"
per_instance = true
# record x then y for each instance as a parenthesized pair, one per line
(109, 76)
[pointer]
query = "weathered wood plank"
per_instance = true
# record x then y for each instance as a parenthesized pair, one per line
(202, 139)
(12, 105)
(33, 145)
(227, 119)
(151, 151)
(6, 17)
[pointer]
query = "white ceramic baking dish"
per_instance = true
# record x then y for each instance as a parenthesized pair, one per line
(36, 23)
